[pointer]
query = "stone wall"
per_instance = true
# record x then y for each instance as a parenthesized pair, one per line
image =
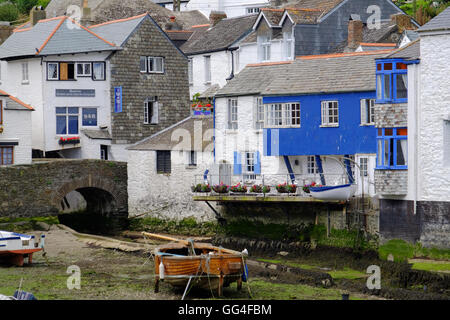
(38, 189)
(171, 88)
(391, 115)
(391, 182)
(435, 223)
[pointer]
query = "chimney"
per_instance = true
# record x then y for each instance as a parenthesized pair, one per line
(216, 16)
(86, 14)
(173, 24)
(36, 14)
(355, 33)
(6, 29)
(402, 21)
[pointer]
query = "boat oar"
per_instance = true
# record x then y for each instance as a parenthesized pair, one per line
(185, 242)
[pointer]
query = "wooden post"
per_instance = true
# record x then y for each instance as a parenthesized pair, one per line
(239, 284)
(156, 289)
(220, 289)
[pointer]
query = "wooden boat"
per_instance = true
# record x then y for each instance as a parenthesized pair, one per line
(14, 247)
(340, 192)
(183, 263)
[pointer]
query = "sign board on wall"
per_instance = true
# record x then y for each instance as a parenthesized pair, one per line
(117, 99)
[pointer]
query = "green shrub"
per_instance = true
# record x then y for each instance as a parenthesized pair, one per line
(8, 12)
(25, 6)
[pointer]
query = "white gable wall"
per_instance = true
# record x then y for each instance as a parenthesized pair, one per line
(233, 8)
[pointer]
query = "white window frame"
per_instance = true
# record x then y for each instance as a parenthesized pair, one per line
(149, 59)
(192, 158)
(364, 166)
(311, 165)
(279, 115)
(264, 47)
(207, 65)
(83, 74)
(327, 119)
(25, 73)
(252, 10)
(48, 70)
(233, 113)
(143, 61)
(288, 41)
(259, 113)
(367, 112)
(103, 71)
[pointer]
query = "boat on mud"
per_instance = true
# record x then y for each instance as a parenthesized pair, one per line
(15, 247)
(185, 263)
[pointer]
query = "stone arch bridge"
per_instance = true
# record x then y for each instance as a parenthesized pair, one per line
(40, 189)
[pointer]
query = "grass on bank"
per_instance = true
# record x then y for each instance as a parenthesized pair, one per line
(402, 251)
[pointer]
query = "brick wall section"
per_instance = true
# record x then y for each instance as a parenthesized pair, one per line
(171, 88)
(435, 223)
(391, 115)
(37, 189)
(391, 182)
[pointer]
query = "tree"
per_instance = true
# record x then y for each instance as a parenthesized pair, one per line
(8, 12)
(25, 6)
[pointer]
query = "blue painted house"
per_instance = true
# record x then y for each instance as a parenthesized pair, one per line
(295, 119)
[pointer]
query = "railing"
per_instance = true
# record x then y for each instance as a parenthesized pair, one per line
(270, 180)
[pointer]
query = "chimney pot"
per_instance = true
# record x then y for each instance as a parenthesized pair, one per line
(36, 14)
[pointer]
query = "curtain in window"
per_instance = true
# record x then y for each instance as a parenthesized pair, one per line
(52, 71)
(99, 71)
(402, 152)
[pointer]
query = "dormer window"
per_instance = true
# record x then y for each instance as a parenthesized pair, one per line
(264, 47)
(392, 81)
(288, 41)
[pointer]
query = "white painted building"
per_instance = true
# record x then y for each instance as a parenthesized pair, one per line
(232, 8)
(15, 130)
(163, 168)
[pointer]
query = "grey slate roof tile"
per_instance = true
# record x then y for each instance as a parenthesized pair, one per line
(196, 127)
(220, 36)
(117, 31)
(411, 51)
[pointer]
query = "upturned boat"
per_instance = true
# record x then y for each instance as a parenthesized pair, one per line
(340, 192)
(15, 247)
(185, 263)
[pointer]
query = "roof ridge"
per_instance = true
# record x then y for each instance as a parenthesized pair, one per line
(91, 32)
(303, 9)
(51, 35)
(262, 64)
(17, 100)
(200, 25)
(378, 44)
(345, 54)
(272, 9)
(404, 47)
(118, 20)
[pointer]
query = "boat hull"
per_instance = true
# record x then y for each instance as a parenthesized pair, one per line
(14, 247)
(342, 192)
(209, 269)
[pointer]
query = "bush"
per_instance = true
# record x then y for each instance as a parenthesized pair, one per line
(25, 6)
(8, 12)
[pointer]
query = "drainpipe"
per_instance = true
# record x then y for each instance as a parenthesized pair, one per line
(232, 64)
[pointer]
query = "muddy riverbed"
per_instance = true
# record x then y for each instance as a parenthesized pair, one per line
(107, 273)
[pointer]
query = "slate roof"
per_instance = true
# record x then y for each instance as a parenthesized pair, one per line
(107, 10)
(386, 34)
(411, 34)
(163, 139)
(118, 31)
(253, 79)
(219, 37)
(323, 5)
(410, 52)
(13, 103)
(273, 16)
(304, 16)
(329, 73)
(60, 35)
(97, 134)
(440, 22)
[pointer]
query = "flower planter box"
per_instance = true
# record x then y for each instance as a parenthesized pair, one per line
(65, 141)
(201, 188)
(287, 188)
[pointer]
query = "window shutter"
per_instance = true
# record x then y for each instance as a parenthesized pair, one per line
(146, 111)
(257, 158)
(64, 71)
(255, 113)
(237, 168)
(363, 112)
(155, 115)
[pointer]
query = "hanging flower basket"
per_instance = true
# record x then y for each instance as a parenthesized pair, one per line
(239, 188)
(201, 187)
(64, 141)
(259, 189)
(221, 188)
(286, 188)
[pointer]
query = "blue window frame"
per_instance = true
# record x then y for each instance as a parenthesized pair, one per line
(89, 117)
(67, 120)
(391, 81)
(392, 148)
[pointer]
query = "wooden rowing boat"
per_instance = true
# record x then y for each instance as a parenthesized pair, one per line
(14, 247)
(202, 265)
